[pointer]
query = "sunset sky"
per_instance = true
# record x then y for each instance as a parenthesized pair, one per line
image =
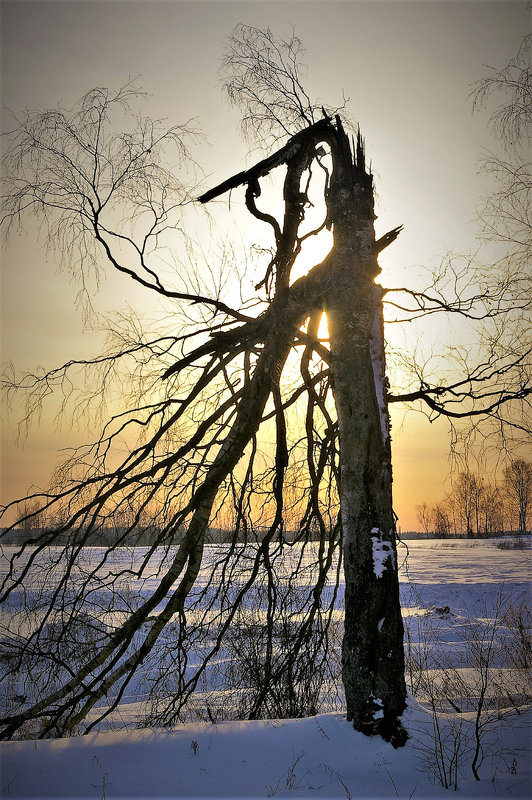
(407, 68)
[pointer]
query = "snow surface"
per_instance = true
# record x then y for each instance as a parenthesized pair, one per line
(318, 757)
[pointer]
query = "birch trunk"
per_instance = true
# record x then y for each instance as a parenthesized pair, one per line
(372, 655)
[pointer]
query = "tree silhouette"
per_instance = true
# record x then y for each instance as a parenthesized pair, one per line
(200, 404)
(518, 484)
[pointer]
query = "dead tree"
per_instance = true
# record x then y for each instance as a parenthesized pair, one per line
(373, 661)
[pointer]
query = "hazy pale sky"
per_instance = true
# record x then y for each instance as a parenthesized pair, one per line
(407, 69)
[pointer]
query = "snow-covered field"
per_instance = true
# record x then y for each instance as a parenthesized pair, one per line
(466, 611)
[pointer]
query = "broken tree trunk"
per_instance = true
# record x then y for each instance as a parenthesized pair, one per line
(372, 653)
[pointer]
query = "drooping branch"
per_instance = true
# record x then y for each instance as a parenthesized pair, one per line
(231, 426)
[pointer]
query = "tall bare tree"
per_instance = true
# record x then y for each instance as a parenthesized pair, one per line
(467, 494)
(200, 398)
(425, 516)
(518, 484)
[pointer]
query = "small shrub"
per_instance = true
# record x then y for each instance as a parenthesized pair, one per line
(470, 698)
(275, 684)
(512, 543)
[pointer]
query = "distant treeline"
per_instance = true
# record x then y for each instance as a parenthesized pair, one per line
(147, 537)
(126, 537)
